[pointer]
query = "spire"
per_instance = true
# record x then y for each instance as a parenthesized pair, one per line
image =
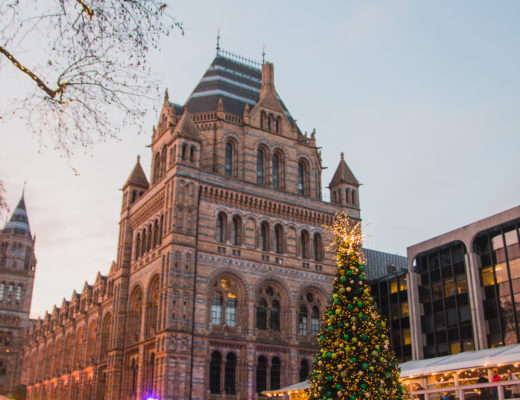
(137, 177)
(19, 223)
(343, 174)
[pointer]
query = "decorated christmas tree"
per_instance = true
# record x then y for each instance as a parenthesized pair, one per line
(355, 360)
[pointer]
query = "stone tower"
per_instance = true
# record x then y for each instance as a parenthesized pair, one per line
(221, 271)
(17, 265)
(344, 187)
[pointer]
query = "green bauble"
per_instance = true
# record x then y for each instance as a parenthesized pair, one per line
(343, 278)
(330, 328)
(329, 378)
(363, 386)
(346, 336)
(350, 307)
(360, 304)
(364, 366)
(338, 386)
(364, 337)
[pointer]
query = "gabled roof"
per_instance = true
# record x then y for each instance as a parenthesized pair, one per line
(237, 83)
(186, 127)
(19, 222)
(343, 174)
(137, 177)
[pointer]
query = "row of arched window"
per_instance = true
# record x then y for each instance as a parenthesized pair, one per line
(223, 373)
(225, 302)
(187, 153)
(349, 196)
(135, 312)
(72, 351)
(268, 240)
(148, 238)
(268, 122)
(13, 292)
(269, 172)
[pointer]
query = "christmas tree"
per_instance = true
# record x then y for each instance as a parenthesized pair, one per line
(355, 360)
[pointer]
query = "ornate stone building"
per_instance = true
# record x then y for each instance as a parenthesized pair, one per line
(17, 265)
(221, 271)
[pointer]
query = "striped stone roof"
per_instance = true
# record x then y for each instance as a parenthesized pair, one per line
(238, 83)
(19, 222)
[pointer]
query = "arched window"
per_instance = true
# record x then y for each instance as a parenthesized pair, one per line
(276, 367)
(150, 237)
(18, 295)
(143, 243)
(221, 228)
(192, 153)
(276, 171)
(236, 230)
(105, 337)
(304, 370)
(315, 320)
(163, 160)
(303, 176)
(261, 314)
(224, 303)
(155, 233)
(134, 315)
(91, 343)
(133, 375)
(2, 291)
(304, 244)
(230, 373)
(264, 236)
(278, 239)
(216, 310)
(269, 122)
(318, 247)
(10, 290)
(157, 168)
(302, 320)
(262, 120)
(347, 195)
(309, 302)
(261, 374)
(228, 171)
(137, 245)
(353, 196)
(214, 372)
(339, 196)
(152, 306)
(260, 167)
(184, 151)
(277, 125)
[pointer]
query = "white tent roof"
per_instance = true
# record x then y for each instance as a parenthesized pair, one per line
(464, 360)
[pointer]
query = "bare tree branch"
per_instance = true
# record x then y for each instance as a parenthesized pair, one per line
(96, 52)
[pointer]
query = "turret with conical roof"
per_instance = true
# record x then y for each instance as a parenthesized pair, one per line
(344, 187)
(135, 185)
(19, 223)
(17, 268)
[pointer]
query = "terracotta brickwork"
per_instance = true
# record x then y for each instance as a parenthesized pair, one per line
(221, 265)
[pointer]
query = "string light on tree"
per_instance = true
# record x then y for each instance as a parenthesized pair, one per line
(355, 359)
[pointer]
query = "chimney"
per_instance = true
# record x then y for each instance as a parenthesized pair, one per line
(267, 78)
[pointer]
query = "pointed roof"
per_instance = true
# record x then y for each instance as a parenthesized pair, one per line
(186, 127)
(19, 222)
(137, 176)
(343, 174)
(234, 79)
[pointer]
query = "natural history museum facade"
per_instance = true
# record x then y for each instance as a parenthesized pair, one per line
(221, 272)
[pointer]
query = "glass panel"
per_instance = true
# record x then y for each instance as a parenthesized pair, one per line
(393, 286)
(260, 167)
(261, 315)
(300, 179)
(216, 311)
(231, 310)
(404, 309)
(274, 317)
(486, 276)
(276, 171)
(229, 159)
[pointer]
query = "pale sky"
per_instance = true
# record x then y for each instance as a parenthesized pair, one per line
(422, 97)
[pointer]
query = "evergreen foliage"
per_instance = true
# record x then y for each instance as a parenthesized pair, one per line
(355, 360)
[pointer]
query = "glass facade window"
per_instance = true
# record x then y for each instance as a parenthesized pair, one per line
(443, 294)
(391, 295)
(498, 252)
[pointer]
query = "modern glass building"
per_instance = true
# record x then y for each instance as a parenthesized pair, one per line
(387, 277)
(464, 288)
